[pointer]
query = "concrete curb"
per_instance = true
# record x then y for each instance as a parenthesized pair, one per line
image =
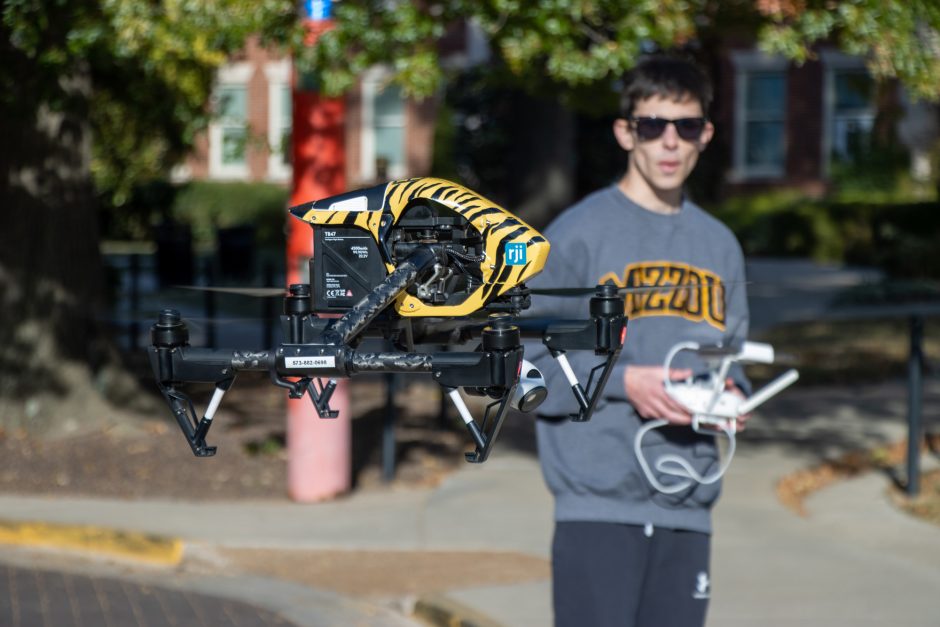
(440, 611)
(141, 547)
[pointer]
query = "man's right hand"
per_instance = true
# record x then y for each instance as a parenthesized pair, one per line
(647, 394)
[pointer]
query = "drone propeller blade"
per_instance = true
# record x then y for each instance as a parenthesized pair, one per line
(563, 291)
(590, 291)
(256, 292)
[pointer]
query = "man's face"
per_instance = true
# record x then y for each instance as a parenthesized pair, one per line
(662, 164)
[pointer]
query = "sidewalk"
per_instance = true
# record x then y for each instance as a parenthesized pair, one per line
(854, 560)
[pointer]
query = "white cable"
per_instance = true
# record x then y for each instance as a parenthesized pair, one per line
(680, 467)
(667, 363)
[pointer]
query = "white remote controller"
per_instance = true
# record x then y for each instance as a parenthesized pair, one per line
(713, 408)
(709, 402)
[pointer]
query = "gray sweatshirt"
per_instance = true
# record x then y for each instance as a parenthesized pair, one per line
(591, 467)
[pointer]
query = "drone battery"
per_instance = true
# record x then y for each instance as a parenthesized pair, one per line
(345, 267)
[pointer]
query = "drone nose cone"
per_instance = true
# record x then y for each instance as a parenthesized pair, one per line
(300, 210)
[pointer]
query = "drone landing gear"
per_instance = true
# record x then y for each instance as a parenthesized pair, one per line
(485, 434)
(605, 333)
(320, 393)
(194, 430)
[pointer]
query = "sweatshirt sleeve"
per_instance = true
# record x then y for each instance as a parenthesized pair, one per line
(738, 315)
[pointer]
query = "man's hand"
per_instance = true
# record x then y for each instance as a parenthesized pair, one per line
(646, 393)
(734, 389)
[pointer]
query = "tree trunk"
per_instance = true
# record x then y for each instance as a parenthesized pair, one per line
(52, 347)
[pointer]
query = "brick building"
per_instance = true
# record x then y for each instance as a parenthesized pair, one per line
(780, 125)
(387, 135)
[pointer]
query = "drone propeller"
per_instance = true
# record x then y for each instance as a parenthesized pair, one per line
(623, 291)
(255, 292)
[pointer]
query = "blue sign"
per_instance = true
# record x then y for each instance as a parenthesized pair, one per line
(318, 10)
(515, 254)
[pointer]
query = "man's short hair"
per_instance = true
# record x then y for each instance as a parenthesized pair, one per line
(665, 76)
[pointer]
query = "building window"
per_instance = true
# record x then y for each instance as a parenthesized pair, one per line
(760, 116)
(279, 120)
(383, 129)
(233, 114)
(283, 127)
(849, 109)
(228, 132)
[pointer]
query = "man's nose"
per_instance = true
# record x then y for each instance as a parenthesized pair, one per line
(671, 136)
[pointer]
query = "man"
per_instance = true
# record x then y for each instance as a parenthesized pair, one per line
(625, 553)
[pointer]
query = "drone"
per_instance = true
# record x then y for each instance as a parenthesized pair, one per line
(420, 263)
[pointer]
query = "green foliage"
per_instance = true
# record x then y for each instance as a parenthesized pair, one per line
(207, 206)
(898, 237)
(899, 39)
(204, 206)
(571, 43)
(575, 43)
(151, 65)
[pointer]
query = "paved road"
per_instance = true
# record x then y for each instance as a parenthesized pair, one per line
(42, 588)
(34, 597)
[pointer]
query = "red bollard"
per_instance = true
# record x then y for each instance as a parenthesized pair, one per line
(319, 458)
(319, 450)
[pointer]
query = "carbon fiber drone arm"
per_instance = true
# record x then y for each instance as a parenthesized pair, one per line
(174, 363)
(326, 354)
(603, 333)
(492, 371)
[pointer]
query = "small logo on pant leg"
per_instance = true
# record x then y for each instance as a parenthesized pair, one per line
(702, 587)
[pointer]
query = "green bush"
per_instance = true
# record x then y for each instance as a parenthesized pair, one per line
(204, 206)
(208, 205)
(900, 238)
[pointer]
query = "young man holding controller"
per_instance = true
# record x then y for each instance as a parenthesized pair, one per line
(624, 553)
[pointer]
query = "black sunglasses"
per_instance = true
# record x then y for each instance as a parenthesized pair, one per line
(649, 128)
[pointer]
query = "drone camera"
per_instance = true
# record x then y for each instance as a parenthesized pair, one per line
(531, 389)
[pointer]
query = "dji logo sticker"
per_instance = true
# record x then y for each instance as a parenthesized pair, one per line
(515, 254)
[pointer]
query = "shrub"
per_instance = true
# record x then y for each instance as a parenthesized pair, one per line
(900, 238)
(209, 205)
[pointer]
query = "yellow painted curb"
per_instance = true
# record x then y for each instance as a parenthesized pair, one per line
(112, 542)
(441, 611)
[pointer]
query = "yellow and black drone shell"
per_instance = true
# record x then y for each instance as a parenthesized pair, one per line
(366, 208)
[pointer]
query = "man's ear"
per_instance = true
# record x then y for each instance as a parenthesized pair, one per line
(623, 135)
(707, 133)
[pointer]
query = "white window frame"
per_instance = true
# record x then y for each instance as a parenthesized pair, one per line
(235, 75)
(833, 62)
(372, 82)
(278, 74)
(746, 63)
